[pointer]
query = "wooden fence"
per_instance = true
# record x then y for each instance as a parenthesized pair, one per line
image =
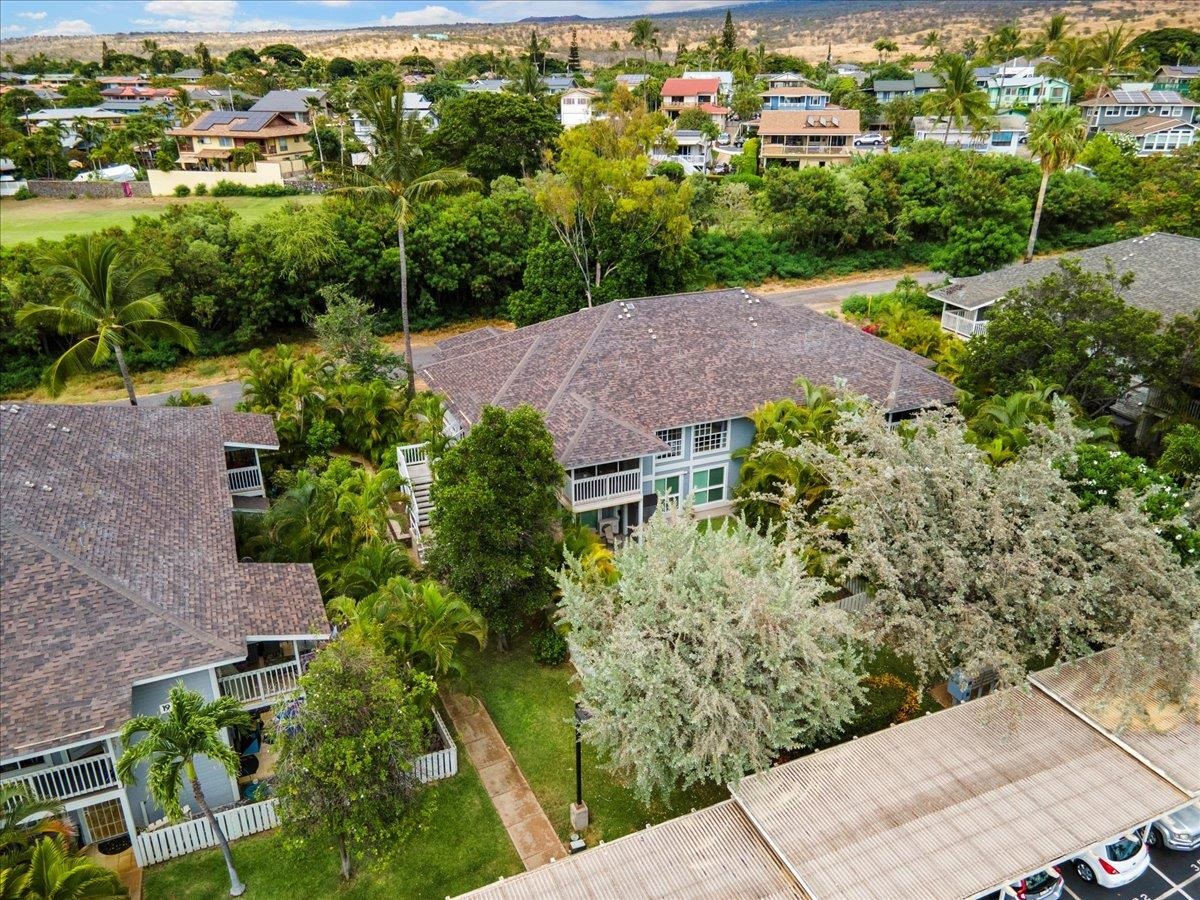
(440, 763)
(196, 834)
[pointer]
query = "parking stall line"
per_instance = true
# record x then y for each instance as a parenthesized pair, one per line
(1067, 890)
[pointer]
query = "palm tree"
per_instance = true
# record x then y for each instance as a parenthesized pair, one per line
(23, 820)
(931, 40)
(1112, 52)
(1072, 59)
(1052, 34)
(528, 82)
(192, 727)
(1181, 50)
(644, 37)
(959, 100)
(1004, 44)
(1056, 137)
(398, 174)
(186, 109)
(884, 46)
(314, 107)
(53, 873)
(109, 304)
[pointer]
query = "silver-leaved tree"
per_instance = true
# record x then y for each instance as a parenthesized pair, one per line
(976, 566)
(707, 654)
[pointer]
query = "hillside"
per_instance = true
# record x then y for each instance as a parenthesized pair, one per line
(803, 27)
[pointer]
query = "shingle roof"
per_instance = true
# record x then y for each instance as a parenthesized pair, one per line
(1164, 267)
(970, 797)
(690, 87)
(606, 378)
(1139, 98)
(1180, 71)
(711, 853)
(236, 123)
(830, 120)
(119, 562)
(287, 101)
(1147, 125)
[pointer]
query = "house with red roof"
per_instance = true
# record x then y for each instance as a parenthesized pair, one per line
(679, 94)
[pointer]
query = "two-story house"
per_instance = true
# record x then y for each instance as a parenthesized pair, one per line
(795, 97)
(649, 398)
(1008, 134)
(209, 142)
(691, 149)
(1175, 78)
(679, 94)
(575, 106)
(1110, 108)
(886, 90)
(1029, 91)
(807, 138)
(134, 94)
(301, 105)
(121, 578)
(725, 78)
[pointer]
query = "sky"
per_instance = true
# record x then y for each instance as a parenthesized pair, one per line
(22, 18)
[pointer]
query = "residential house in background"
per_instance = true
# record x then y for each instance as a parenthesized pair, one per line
(679, 94)
(631, 80)
(220, 99)
(121, 578)
(116, 82)
(1029, 91)
(1175, 78)
(725, 79)
(69, 119)
(807, 138)
(1109, 108)
(135, 94)
(691, 150)
(886, 90)
(293, 104)
(1017, 67)
(575, 106)
(853, 71)
(186, 76)
(1008, 134)
(486, 85)
(784, 80)
(557, 84)
(1156, 135)
(209, 142)
(795, 97)
(648, 398)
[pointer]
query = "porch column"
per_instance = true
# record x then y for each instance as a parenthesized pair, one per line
(126, 812)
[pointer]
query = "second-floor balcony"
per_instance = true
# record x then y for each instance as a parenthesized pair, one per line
(790, 151)
(68, 780)
(256, 687)
(963, 324)
(610, 489)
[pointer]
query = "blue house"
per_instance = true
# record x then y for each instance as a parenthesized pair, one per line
(650, 397)
(798, 97)
(886, 90)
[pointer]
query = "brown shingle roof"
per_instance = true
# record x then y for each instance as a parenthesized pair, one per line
(606, 378)
(830, 120)
(1147, 125)
(119, 562)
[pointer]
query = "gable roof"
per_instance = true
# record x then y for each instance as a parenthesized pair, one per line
(293, 101)
(1164, 267)
(1108, 97)
(690, 87)
(236, 123)
(830, 120)
(120, 565)
(607, 378)
(1148, 125)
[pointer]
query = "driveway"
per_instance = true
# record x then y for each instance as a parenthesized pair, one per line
(830, 296)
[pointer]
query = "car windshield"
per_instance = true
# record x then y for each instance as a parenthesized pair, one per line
(1123, 849)
(1039, 880)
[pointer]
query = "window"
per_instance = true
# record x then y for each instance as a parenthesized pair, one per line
(710, 436)
(1112, 110)
(673, 437)
(708, 485)
(282, 145)
(225, 142)
(1001, 138)
(1177, 111)
(667, 487)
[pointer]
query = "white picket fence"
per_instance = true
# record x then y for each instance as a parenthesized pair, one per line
(196, 834)
(440, 763)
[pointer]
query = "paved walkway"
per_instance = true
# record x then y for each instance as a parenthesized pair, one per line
(523, 817)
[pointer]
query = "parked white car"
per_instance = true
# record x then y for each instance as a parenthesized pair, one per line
(1111, 865)
(1178, 831)
(871, 139)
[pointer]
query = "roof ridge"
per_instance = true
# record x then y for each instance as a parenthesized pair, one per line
(581, 428)
(125, 591)
(579, 357)
(518, 368)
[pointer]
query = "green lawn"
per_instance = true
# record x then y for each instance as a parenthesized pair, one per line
(532, 706)
(44, 217)
(464, 847)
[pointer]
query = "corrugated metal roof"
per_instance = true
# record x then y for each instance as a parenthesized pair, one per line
(1167, 738)
(710, 853)
(954, 803)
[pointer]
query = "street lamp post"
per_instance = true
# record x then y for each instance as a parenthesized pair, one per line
(579, 810)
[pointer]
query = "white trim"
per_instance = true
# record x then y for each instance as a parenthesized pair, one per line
(235, 445)
(58, 748)
(725, 489)
(139, 682)
(254, 638)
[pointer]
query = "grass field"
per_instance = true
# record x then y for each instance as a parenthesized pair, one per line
(52, 219)
(464, 847)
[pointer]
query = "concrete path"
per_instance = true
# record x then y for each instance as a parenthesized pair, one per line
(523, 817)
(830, 296)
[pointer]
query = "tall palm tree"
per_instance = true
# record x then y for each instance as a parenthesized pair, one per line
(1052, 34)
(959, 100)
(884, 46)
(313, 105)
(23, 820)
(185, 108)
(398, 175)
(1181, 50)
(1056, 137)
(1072, 59)
(109, 304)
(192, 727)
(644, 36)
(1003, 44)
(53, 873)
(1113, 51)
(931, 40)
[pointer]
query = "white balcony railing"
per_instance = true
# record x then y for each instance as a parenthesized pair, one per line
(415, 453)
(246, 480)
(262, 684)
(603, 487)
(963, 325)
(73, 779)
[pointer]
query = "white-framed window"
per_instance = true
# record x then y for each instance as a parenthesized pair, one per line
(667, 487)
(710, 436)
(225, 142)
(1130, 111)
(1177, 111)
(1112, 111)
(673, 438)
(282, 145)
(708, 485)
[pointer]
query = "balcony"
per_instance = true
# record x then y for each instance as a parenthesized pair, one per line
(257, 687)
(605, 490)
(245, 480)
(72, 779)
(796, 151)
(962, 325)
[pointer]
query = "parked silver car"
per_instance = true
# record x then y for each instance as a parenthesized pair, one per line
(1044, 885)
(1178, 831)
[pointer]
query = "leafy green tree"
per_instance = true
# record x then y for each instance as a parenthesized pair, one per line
(1167, 199)
(170, 744)
(1056, 137)
(494, 134)
(697, 120)
(398, 175)
(495, 509)
(1071, 328)
(728, 34)
(1113, 52)
(346, 332)
(1181, 453)
(747, 101)
(709, 655)
(341, 67)
(109, 305)
(361, 725)
(960, 100)
(644, 36)
(883, 46)
(53, 873)
(284, 54)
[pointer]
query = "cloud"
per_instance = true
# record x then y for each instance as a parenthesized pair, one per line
(11, 29)
(333, 2)
(36, 16)
(190, 15)
(427, 15)
(67, 28)
(669, 6)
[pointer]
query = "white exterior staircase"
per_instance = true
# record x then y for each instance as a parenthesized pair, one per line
(413, 461)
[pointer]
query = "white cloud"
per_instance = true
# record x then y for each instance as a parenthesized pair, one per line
(36, 16)
(669, 6)
(426, 15)
(333, 2)
(68, 28)
(11, 29)
(262, 25)
(190, 15)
